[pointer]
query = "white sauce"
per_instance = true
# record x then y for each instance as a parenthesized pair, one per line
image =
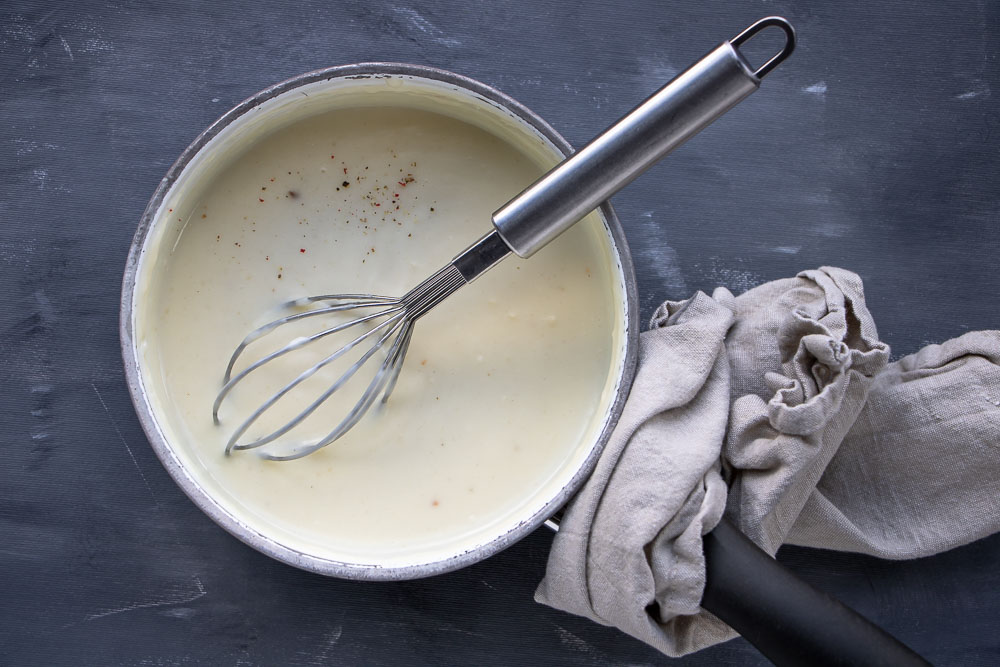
(505, 386)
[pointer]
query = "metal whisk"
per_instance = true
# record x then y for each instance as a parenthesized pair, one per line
(556, 201)
(393, 320)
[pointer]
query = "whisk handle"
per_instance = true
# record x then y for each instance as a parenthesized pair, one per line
(668, 118)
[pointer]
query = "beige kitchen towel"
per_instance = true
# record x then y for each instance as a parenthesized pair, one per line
(919, 472)
(786, 390)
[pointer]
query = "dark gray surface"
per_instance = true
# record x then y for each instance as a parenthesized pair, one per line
(874, 148)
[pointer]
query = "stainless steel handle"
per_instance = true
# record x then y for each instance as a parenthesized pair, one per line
(668, 118)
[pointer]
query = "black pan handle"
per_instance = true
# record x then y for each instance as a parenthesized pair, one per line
(789, 621)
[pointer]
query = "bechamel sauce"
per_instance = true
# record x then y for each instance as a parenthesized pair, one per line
(505, 386)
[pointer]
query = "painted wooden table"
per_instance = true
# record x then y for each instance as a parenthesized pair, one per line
(874, 148)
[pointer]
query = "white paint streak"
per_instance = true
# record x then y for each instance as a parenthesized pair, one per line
(97, 45)
(572, 642)
(787, 249)
(18, 28)
(24, 147)
(818, 89)
(833, 229)
(647, 214)
(65, 45)
(179, 612)
(127, 448)
(982, 89)
(435, 34)
(658, 69)
(169, 600)
(40, 177)
(329, 642)
(461, 631)
(734, 279)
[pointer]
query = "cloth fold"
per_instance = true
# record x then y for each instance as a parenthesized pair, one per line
(778, 408)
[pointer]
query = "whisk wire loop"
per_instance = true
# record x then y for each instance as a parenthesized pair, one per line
(394, 323)
(387, 372)
(296, 344)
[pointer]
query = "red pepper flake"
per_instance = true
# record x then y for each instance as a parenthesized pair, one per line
(272, 180)
(396, 195)
(401, 183)
(345, 170)
(377, 204)
(170, 210)
(260, 200)
(332, 156)
(302, 249)
(294, 195)
(267, 258)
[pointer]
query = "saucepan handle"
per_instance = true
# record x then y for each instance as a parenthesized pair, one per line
(787, 620)
(668, 118)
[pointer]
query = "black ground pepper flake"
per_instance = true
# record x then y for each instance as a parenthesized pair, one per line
(345, 184)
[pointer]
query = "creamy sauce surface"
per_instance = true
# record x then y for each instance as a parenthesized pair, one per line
(504, 383)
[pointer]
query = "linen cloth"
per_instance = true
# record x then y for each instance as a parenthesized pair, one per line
(778, 408)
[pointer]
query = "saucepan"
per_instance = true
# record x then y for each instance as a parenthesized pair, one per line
(789, 621)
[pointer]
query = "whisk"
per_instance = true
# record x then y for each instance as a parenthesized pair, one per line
(556, 201)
